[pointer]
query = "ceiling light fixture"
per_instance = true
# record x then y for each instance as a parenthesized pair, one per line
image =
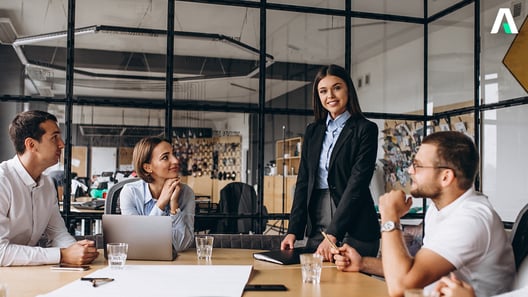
(19, 42)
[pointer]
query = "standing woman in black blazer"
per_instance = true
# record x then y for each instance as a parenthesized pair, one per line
(337, 163)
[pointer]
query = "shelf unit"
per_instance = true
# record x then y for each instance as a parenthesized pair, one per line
(288, 153)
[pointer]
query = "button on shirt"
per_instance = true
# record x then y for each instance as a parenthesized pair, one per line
(333, 129)
(29, 209)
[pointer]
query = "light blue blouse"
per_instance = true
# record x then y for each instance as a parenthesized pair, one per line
(136, 199)
(333, 130)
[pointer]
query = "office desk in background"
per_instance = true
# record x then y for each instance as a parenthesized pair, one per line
(90, 219)
(31, 281)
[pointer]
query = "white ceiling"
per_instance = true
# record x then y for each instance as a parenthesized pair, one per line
(291, 38)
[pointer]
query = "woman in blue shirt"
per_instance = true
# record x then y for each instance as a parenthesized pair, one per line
(160, 191)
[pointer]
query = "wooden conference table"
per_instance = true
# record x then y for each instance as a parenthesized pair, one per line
(31, 281)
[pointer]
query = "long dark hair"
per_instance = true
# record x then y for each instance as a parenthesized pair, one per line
(352, 105)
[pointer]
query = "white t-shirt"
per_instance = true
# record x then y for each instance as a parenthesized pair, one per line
(27, 211)
(470, 235)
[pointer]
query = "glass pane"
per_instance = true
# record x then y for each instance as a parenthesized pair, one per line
(282, 154)
(400, 141)
(8, 111)
(412, 8)
(504, 160)
(435, 7)
(213, 149)
(333, 4)
(217, 60)
(121, 53)
(387, 66)
(300, 44)
(19, 53)
(103, 139)
(499, 82)
(451, 63)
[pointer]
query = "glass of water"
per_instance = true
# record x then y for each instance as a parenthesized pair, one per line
(311, 265)
(117, 254)
(3, 290)
(204, 247)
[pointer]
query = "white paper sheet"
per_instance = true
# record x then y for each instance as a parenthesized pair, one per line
(163, 280)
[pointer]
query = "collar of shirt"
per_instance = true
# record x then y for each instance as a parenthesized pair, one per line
(150, 202)
(147, 195)
(338, 122)
(22, 172)
(446, 210)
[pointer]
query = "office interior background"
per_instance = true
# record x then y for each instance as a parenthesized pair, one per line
(234, 77)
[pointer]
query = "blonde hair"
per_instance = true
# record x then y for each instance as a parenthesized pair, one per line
(143, 154)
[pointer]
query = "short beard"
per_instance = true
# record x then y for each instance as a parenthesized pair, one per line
(431, 191)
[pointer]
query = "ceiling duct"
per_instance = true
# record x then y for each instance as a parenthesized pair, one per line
(125, 131)
(139, 32)
(102, 130)
(8, 34)
(144, 131)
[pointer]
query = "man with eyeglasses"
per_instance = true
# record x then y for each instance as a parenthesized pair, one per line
(463, 233)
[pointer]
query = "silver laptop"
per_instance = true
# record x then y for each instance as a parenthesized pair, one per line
(148, 237)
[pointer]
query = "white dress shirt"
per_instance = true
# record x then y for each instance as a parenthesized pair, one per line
(29, 210)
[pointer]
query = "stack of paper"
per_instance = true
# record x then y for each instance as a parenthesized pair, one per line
(162, 280)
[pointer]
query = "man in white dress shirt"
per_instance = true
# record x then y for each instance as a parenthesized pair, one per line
(28, 199)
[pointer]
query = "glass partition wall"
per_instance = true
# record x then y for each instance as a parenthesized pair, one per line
(234, 95)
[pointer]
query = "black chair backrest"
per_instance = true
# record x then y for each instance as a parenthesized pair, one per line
(246, 241)
(112, 197)
(519, 236)
(239, 198)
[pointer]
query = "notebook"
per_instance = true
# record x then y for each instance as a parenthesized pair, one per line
(283, 257)
(148, 237)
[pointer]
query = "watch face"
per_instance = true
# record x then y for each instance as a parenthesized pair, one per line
(388, 225)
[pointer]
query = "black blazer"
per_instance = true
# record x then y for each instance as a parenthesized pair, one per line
(350, 171)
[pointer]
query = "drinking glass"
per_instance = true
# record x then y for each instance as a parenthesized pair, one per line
(311, 265)
(204, 247)
(117, 254)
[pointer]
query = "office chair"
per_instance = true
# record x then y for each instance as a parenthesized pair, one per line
(519, 236)
(519, 240)
(246, 241)
(238, 198)
(112, 197)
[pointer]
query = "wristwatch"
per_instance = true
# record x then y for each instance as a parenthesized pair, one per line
(391, 225)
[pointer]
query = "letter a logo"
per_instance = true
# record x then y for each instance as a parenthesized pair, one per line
(509, 26)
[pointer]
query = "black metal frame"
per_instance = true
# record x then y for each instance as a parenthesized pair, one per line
(169, 104)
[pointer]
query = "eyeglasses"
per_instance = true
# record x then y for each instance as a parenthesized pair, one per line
(414, 166)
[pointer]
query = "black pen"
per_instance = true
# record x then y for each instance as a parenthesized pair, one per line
(94, 280)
